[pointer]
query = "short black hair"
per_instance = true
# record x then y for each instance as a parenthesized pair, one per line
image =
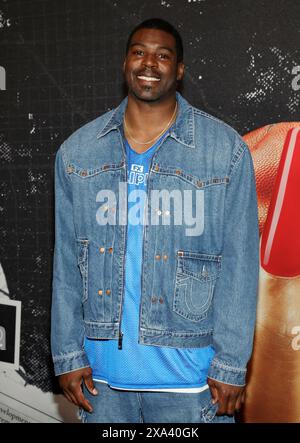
(162, 25)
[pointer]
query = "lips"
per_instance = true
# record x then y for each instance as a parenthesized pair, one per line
(148, 76)
(148, 79)
(280, 244)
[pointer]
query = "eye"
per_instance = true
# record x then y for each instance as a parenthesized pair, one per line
(138, 52)
(163, 56)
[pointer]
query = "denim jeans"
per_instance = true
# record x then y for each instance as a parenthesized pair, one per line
(118, 406)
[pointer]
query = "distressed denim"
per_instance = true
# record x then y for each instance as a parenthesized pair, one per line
(196, 290)
(116, 406)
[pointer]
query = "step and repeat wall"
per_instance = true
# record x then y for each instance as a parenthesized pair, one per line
(60, 67)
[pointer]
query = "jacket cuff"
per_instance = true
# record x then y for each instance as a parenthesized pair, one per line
(70, 362)
(227, 374)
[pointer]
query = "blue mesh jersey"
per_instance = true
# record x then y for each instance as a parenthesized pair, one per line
(135, 366)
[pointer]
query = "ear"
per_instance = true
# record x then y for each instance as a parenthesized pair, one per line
(180, 71)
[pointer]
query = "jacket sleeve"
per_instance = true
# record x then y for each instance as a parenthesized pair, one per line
(235, 298)
(67, 328)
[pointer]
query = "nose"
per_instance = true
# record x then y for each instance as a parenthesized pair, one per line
(150, 61)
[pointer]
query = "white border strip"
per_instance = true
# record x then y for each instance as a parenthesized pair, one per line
(16, 363)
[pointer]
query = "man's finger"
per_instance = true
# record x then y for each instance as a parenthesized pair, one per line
(222, 406)
(244, 396)
(231, 405)
(75, 392)
(239, 403)
(223, 402)
(83, 402)
(71, 397)
(89, 383)
(214, 393)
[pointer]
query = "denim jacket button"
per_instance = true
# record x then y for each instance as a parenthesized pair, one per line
(70, 169)
(156, 168)
(161, 300)
(110, 250)
(178, 172)
(84, 173)
(165, 257)
(180, 253)
(157, 257)
(100, 292)
(108, 291)
(153, 299)
(101, 250)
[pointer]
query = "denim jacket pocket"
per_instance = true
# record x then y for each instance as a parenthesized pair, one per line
(82, 260)
(196, 275)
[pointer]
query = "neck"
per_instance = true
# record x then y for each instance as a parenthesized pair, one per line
(146, 119)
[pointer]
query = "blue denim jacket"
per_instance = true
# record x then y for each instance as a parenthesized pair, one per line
(200, 249)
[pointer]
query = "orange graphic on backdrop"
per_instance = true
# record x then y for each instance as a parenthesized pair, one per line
(273, 393)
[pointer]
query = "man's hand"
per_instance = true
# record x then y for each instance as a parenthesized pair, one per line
(229, 398)
(71, 385)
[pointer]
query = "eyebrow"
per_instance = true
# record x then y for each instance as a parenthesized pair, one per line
(160, 47)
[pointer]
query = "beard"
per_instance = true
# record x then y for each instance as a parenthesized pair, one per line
(150, 93)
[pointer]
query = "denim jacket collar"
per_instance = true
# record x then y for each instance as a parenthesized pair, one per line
(183, 130)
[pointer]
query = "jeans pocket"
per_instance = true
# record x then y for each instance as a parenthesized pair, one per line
(82, 415)
(208, 413)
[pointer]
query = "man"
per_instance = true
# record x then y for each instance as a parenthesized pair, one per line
(156, 252)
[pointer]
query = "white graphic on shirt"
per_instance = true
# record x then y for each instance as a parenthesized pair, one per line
(136, 175)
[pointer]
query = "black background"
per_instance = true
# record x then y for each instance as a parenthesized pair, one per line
(63, 63)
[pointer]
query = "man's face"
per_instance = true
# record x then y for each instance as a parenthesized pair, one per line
(150, 67)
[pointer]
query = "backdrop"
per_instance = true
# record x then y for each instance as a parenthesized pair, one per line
(60, 67)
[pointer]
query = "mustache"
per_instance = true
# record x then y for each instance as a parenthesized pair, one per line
(148, 72)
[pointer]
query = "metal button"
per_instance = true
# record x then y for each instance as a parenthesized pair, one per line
(199, 184)
(154, 299)
(156, 168)
(157, 257)
(167, 212)
(180, 253)
(158, 211)
(84, 173)
(178, 172)
(101, 250)
(108, 291)
(100, 292)
(165, 257)
(110, 250)
(161, 300)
